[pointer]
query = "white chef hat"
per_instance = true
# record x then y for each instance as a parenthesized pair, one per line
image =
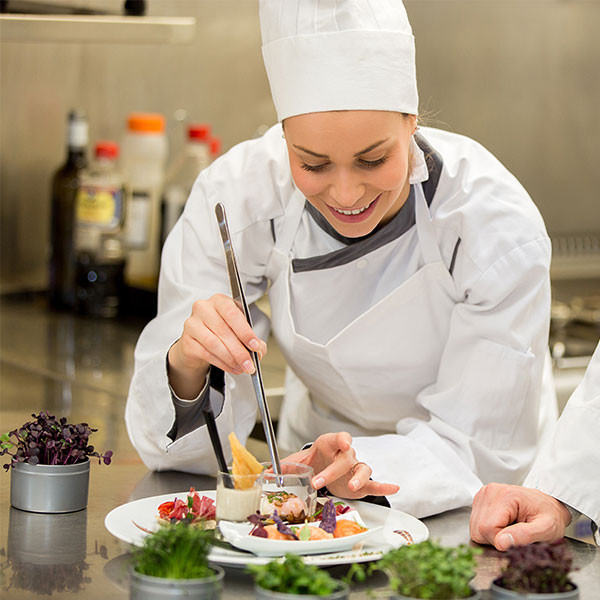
(323, 55)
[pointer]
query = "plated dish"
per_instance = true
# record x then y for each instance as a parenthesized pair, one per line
(238, 535)
(392, 528)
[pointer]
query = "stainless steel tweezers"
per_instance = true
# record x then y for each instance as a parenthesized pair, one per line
(237, 293)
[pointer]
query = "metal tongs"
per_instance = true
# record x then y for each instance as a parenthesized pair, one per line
(237, 294)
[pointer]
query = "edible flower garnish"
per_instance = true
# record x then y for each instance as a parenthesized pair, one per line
(282, 527)
(328, 517)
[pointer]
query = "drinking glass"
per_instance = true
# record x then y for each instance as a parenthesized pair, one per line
(238, 496)
(295, 478)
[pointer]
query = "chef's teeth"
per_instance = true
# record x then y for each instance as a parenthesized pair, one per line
(353, 212)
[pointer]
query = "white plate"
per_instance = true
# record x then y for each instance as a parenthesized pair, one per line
(120, 522)
(237, 534)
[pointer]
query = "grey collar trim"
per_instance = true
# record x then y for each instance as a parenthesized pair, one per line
(400, 224)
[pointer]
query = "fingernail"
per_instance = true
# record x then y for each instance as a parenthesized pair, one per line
(354, 484)
(254, 345)
(248, 366)
(319, 483)
(506, 540)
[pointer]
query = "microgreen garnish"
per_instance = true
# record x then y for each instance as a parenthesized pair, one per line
(294, 576)
(50, 441)
(538, 568)
(278, 497)
(425, 570)
(259, 527)
(175, 552)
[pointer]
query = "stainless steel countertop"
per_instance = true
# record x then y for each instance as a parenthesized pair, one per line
(81, 368)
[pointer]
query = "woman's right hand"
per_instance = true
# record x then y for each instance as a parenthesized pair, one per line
(216, 333)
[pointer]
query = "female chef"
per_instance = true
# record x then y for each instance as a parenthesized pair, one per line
(406, 269)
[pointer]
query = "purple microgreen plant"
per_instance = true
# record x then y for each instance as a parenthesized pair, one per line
(539, 568)
(328, 519)
(50, 441)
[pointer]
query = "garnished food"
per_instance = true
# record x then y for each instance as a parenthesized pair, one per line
(244, 463)
(346, 527)
(289, 507)
(195, 509)
(328, 517)
(340, 509)
(274, 528)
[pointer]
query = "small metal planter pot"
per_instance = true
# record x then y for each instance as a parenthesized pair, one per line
(476, 595)
(50, 488)
(145, 587)
(263, 594)
(500, 593)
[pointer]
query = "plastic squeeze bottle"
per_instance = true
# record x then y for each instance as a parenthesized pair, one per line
(182, 173)
(143, 160)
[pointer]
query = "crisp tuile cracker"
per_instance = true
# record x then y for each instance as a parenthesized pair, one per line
(244, 463)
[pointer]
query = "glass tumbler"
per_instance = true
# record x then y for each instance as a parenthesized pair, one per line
(238, 496)
(291, 494)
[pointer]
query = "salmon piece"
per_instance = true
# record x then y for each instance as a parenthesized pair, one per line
(316, 533)
(345, 527)
(274, 534)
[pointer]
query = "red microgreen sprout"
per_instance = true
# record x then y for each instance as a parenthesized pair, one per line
(538, 568)
(259, 527)
(50, 441)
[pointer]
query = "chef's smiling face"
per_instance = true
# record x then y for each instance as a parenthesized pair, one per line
(352, 166)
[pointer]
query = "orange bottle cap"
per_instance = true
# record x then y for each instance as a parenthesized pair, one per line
(146, 122)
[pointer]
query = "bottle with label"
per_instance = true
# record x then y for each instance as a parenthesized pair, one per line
(143, 163)
(64, 189)
(181, 175)
(100, 217)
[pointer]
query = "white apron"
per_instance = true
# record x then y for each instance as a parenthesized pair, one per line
(367, 376)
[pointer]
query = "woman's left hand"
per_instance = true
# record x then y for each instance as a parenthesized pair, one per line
(334, 462)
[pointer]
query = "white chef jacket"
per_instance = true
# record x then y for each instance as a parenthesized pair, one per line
(568, 465)
(479, 418)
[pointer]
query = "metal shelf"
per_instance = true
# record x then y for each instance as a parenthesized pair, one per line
(96, 29)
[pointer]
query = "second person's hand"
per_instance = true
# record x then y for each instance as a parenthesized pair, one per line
(336, 467)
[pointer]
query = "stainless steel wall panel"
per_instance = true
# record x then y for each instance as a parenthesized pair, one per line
(519, 76)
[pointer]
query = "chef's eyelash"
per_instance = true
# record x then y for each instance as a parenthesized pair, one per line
(371, 164)
(313, 168)
(367, 164)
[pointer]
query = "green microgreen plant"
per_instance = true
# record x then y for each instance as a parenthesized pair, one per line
(426, 570)
(538, 568)
(294, 576)
(50, 441)
(175, 551)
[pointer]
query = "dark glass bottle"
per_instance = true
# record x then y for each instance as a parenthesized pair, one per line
(64, 190)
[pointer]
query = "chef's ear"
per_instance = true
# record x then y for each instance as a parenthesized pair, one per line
(413, 121)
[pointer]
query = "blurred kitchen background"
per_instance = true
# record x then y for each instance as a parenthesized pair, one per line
(521, 77)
